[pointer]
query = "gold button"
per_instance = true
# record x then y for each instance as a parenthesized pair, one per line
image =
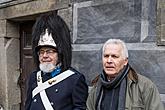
(51, 81)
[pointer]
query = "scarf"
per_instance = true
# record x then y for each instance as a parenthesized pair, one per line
(111, 94)
(55, 72)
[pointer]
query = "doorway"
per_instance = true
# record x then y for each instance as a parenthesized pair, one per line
(26, 63)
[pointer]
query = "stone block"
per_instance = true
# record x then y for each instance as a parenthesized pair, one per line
(150, 63)
(12, 30)
(9, 29)
(9, 61)
(162, 34)
(161, 13)
(34, 7)
(88, 63)
(66, 14)
(3, 74)
(2, 14)
(161, 22)
(3, 28)
(3, 1)
(95, 23)
(13, 73)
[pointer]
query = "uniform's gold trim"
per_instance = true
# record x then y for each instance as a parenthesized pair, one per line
(51, 81)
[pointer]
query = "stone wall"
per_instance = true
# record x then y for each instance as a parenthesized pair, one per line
(161, 22)
(137, 22)
(140, 23)
(9, 61)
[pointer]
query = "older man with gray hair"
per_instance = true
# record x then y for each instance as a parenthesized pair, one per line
(119, 87)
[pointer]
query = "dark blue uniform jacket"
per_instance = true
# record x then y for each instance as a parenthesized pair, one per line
(69, 94)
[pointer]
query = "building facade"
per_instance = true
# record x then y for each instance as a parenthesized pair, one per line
(140, 23)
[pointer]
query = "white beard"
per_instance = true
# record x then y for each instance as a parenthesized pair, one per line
(47, 67)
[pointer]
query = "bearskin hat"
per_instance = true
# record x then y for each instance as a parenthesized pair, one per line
(54, 26)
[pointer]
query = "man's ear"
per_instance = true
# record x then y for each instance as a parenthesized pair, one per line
(126, 61)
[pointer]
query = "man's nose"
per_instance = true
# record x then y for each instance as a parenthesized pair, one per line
(110, 59)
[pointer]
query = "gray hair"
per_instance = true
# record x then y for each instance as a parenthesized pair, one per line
(117, 41)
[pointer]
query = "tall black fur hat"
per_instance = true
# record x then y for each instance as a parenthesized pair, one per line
(55, 27)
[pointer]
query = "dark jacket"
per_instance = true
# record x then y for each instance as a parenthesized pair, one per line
(69, 94)
(141, 94)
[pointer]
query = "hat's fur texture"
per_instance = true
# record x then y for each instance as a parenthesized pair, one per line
(60, 33)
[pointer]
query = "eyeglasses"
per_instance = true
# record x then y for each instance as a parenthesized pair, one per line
(48, 52)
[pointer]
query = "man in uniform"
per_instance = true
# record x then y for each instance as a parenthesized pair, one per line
(55, 85)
